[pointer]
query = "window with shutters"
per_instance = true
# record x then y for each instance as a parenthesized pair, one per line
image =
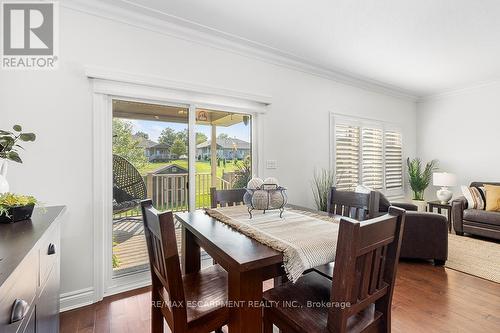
(368, 153)
(393, 160)
(346, 155)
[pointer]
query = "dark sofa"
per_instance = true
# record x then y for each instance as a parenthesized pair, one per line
(475, 221)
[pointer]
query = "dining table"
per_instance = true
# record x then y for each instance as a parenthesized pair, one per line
(248, 263)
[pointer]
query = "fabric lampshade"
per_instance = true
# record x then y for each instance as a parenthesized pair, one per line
(444, 179)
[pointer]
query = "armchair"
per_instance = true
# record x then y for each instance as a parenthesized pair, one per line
(425, 235)
(384, 205)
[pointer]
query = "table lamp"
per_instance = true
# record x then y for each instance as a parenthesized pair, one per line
(444, 179)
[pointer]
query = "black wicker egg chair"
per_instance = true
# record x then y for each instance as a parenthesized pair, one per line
(128, 186)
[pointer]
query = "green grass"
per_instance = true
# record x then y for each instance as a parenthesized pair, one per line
(201, 167)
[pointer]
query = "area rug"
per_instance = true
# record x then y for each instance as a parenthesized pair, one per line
(474, 256)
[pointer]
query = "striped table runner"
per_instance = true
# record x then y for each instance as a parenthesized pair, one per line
(305, 239)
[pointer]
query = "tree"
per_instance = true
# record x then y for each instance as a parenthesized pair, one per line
(183, 136)
(178, 148)
(222, 136)
(125, 145)
(142, 135)
(200, 137)
(167, 136)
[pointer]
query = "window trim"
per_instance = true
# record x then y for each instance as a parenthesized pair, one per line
(364, 122)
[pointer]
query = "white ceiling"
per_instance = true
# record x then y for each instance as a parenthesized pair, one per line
(423, 47)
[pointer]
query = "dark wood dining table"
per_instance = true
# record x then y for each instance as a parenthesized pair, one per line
(247, 262)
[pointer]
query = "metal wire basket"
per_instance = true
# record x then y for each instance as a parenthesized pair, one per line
(266, 197)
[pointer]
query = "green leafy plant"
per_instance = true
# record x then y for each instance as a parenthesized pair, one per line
(420, 178)
(9, 143)
(11, 200)
(321, 184)
(243, 174)
(114, 258)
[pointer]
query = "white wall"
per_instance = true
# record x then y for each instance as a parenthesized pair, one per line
(58, 107)
(461, 131)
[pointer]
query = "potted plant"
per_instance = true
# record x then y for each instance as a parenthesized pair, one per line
(419, 179)
(9, 150)
(322, 183)
(15, 207)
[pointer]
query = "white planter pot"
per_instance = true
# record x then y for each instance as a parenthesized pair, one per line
(422, 205)
(4, 184)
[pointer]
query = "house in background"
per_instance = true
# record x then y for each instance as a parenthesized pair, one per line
(155, 152)
(228, 148)
(160, 152)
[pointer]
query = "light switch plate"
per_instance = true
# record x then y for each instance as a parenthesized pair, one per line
(271, 164)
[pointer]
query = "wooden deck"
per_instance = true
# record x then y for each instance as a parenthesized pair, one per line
(130, 245)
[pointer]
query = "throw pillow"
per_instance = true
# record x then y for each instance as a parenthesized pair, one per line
(492, 198)
(482, 191)
(473, 196)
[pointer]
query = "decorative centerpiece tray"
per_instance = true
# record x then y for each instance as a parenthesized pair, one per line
(266, 197)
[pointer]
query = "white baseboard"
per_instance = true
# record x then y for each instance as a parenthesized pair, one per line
(76, 299)
(126, 286)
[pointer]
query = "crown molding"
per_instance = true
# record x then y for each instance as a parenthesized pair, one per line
(162, 23)
(458, 91)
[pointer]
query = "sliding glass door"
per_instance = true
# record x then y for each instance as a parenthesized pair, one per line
(150, 147)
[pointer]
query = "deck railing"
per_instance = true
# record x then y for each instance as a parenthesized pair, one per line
(170, 191)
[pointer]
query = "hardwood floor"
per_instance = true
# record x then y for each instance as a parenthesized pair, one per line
(426, 299)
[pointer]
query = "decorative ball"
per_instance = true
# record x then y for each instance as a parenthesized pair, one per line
(277, 199)
(260, 199)
(271, 180)
(255, 183)
(247, 199)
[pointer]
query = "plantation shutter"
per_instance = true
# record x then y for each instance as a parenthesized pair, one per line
(372, 157)
(347, 156)
(370, 153)
(393, 160)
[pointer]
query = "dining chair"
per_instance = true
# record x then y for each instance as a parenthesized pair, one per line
(350, 204)
(191, 303)
(225, 198)
(358, 297)
(358, 206)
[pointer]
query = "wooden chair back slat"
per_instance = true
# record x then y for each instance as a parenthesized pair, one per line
(382, 266)
(166, 276)
(352, 204)
(377, 256)
(365, 274)
(365, 266)
(224, 198)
